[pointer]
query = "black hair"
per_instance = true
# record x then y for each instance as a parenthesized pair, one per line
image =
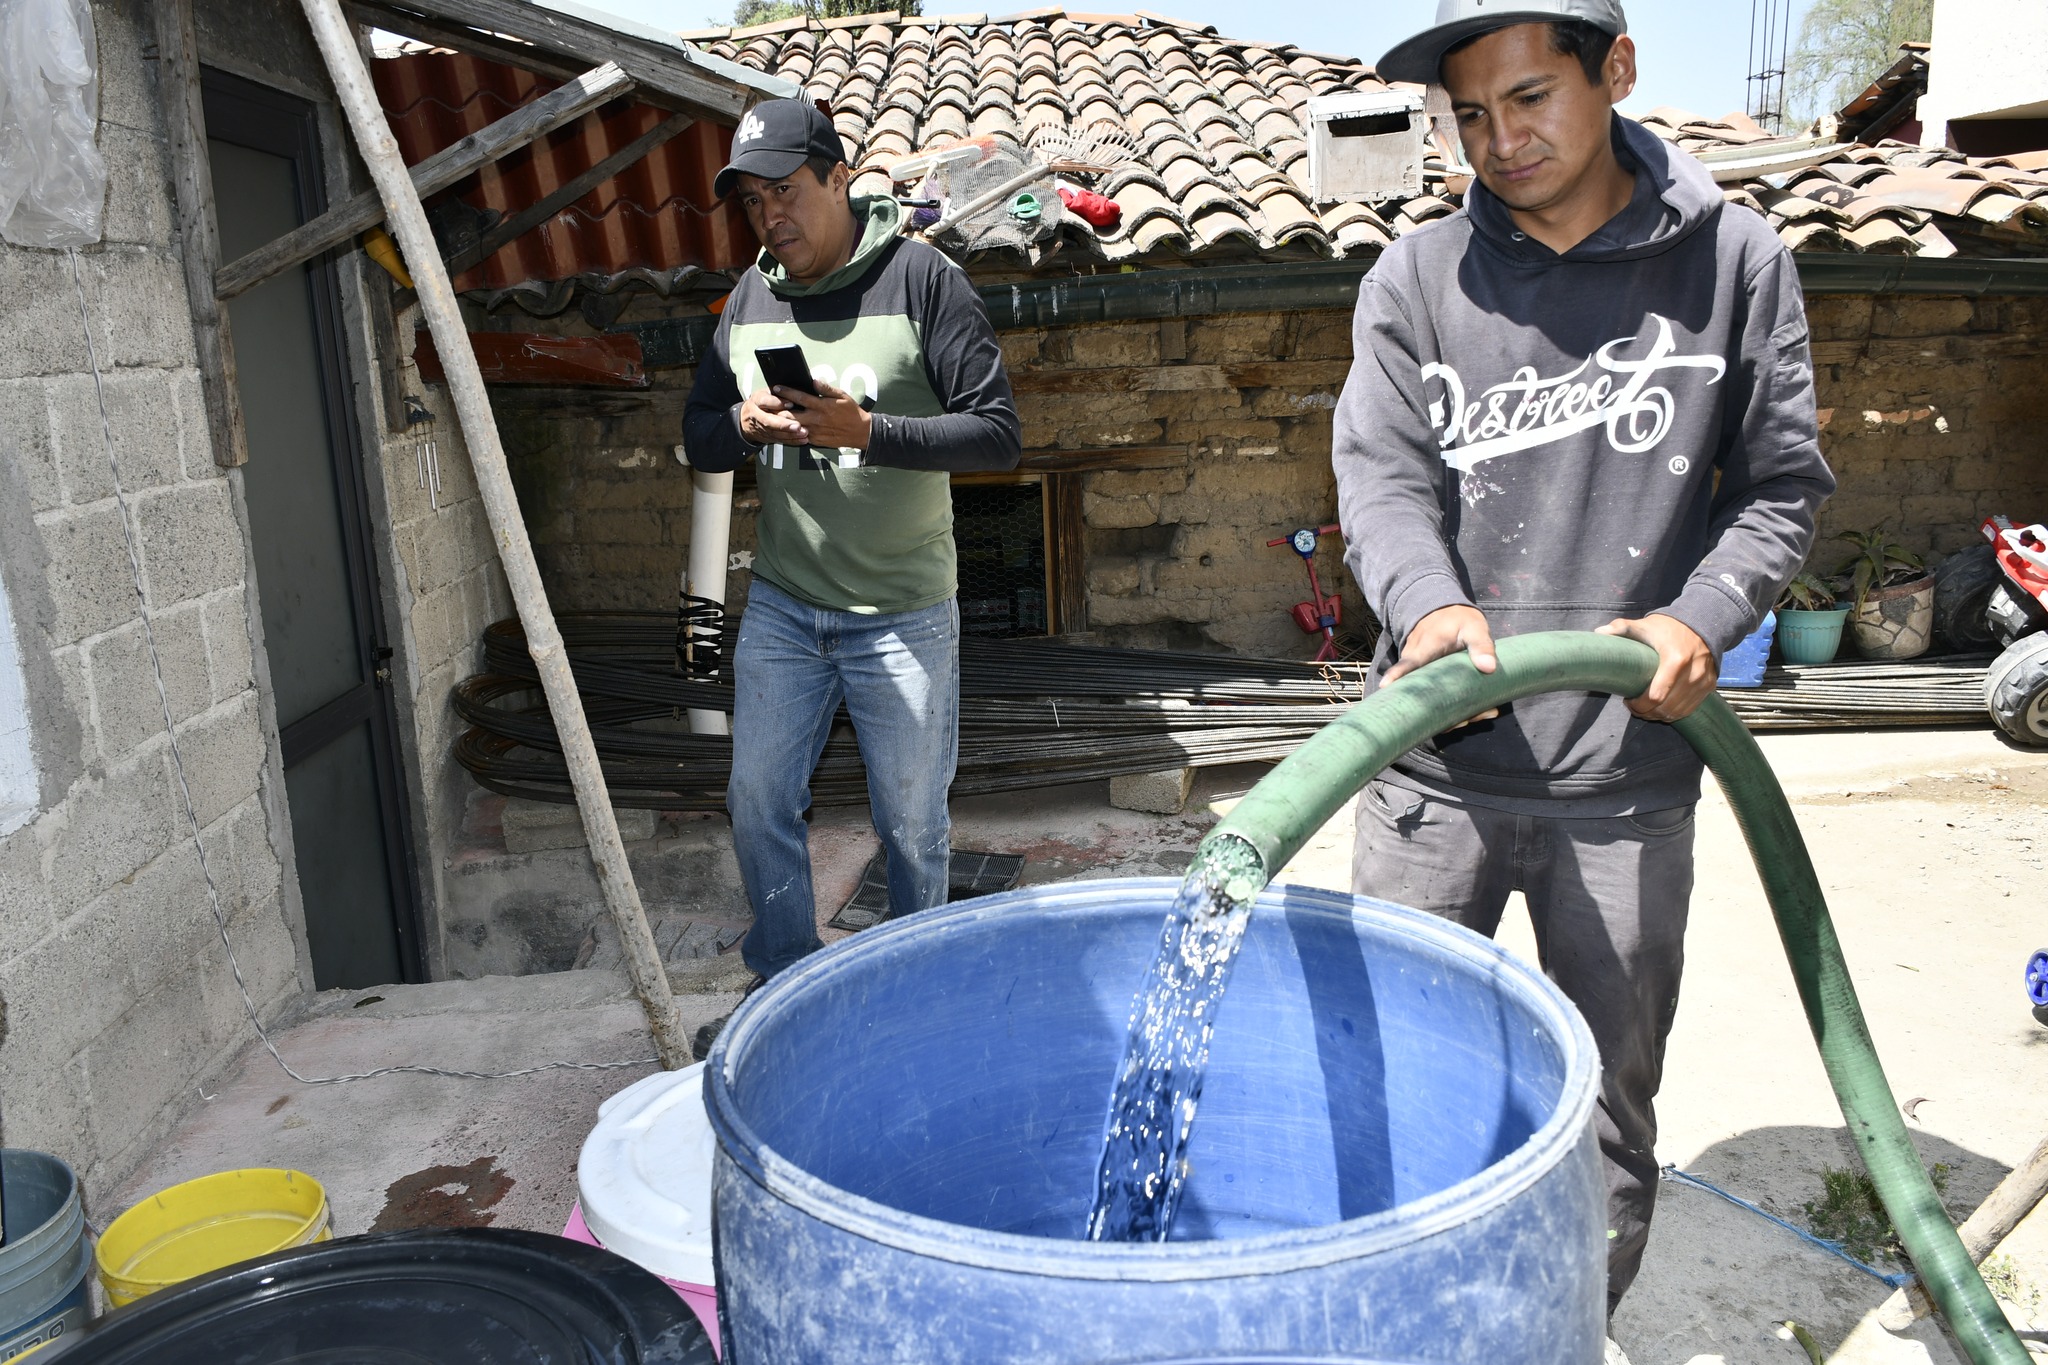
(821, 166)
(1588, 43)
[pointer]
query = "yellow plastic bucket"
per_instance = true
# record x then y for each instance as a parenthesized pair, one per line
(206, 1224)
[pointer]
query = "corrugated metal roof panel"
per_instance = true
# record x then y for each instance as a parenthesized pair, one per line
(659, 215)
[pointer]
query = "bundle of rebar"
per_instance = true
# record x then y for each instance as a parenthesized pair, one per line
(1865, 694)
(1033, 713)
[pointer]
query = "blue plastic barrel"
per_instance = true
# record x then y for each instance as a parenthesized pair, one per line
(1394, 1157)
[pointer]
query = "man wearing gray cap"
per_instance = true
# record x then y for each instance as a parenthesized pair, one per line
(1585, 402)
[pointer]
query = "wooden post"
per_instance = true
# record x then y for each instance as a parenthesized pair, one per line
(177, 69)
(408, 221)
(1066, 574)
(463, 157)
(1995, 1218)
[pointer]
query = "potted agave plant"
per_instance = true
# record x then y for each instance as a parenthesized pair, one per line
(1891, 596)
(1809, 621)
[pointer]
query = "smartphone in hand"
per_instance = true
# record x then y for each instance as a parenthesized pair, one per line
(784, 367)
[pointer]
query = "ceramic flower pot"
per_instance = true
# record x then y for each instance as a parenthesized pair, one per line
(1895, 622)
(1810, 637)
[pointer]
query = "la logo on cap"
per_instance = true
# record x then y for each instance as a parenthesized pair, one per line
(750, 128)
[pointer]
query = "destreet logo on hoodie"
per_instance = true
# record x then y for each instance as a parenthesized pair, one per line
(1637, 414)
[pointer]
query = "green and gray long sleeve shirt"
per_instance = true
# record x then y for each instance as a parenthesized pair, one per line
(900, 328)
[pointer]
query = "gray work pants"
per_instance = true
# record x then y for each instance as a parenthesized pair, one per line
(1608, 900)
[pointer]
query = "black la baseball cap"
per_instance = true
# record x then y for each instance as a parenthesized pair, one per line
(774, 138)
(1420, 59)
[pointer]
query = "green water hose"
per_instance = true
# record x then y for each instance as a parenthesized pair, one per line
(1299, 796)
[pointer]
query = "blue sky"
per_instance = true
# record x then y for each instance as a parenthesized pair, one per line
(1694, 52)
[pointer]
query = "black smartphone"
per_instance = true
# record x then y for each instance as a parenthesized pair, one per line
(784, 367)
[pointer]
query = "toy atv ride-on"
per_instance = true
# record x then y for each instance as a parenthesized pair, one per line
(2016, 687)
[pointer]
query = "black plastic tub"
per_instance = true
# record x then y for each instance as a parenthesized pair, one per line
(458, 1296)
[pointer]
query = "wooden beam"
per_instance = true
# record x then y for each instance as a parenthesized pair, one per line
(341, 223)
(657, 66)
(489, 46)
(533, 215)
(199, 241)
(1089, 459)
(1066, 570)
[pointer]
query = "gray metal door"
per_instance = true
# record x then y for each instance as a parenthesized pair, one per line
(315, 576)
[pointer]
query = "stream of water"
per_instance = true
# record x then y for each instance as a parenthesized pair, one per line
(1152, 1109)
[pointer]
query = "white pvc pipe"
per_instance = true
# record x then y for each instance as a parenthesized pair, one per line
(710, 541)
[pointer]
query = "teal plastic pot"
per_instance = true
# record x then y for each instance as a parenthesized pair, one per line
(1811, 637)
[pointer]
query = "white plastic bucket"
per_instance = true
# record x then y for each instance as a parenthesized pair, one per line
(644, 1185)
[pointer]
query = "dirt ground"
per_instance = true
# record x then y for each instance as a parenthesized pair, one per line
(1930, 845)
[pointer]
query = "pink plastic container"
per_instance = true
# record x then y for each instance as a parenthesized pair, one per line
(643, 1185)
(702, 1298)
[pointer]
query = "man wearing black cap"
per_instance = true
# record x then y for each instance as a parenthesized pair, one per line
(1585, 402)
(854, 578)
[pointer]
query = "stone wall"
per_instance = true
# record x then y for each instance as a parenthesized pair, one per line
(1935, 415)
(119, 1001)
(606, 494)
(1176, 556)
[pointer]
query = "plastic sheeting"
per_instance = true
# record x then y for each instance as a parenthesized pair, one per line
(53, 181)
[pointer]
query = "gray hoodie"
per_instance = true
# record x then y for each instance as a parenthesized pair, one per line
(1624, 429)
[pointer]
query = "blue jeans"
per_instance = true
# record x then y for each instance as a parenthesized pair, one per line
(899, 676)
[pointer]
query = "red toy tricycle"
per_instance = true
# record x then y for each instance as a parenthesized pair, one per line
(1320, 614)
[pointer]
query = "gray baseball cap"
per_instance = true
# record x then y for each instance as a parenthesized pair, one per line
(1420, 59)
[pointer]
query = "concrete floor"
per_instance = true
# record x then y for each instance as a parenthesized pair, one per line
(1930, 845)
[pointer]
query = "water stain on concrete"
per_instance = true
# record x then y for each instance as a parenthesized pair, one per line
(444, 1197)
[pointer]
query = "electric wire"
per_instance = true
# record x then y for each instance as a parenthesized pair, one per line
(185, 790)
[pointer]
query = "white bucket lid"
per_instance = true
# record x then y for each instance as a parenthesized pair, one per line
(645, 1175)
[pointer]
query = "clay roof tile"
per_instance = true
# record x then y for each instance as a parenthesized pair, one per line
(1883, 236)
(1286, 216)
(1220, 131)
(1814, 236)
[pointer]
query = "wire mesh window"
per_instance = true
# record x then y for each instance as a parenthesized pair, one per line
(1000, 532)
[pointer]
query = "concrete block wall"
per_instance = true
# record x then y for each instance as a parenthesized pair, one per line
(119, 1001)
(443, 586)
